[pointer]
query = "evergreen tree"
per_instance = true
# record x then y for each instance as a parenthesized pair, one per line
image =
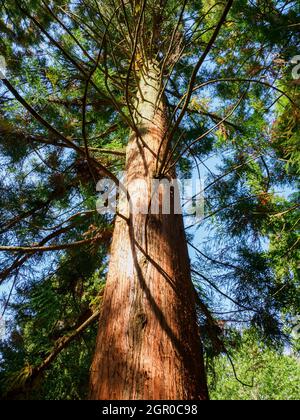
(261, 373)
(160, 90)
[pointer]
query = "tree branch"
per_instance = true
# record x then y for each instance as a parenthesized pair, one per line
(32, 373)
(193, 80)
(49, 127)
(37, 248)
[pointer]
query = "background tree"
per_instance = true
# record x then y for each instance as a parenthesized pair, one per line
(268, 374)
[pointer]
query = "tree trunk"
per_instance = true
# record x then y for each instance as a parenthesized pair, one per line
(148, 344)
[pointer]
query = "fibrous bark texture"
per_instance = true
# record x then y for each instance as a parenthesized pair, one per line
(148, 344)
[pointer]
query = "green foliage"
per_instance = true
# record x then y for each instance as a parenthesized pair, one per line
(271, 375)
(45, 312)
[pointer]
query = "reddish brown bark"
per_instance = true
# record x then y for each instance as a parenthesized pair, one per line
(148, 344)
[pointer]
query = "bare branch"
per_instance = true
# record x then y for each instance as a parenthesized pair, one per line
(36, 248)
(193, 79)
